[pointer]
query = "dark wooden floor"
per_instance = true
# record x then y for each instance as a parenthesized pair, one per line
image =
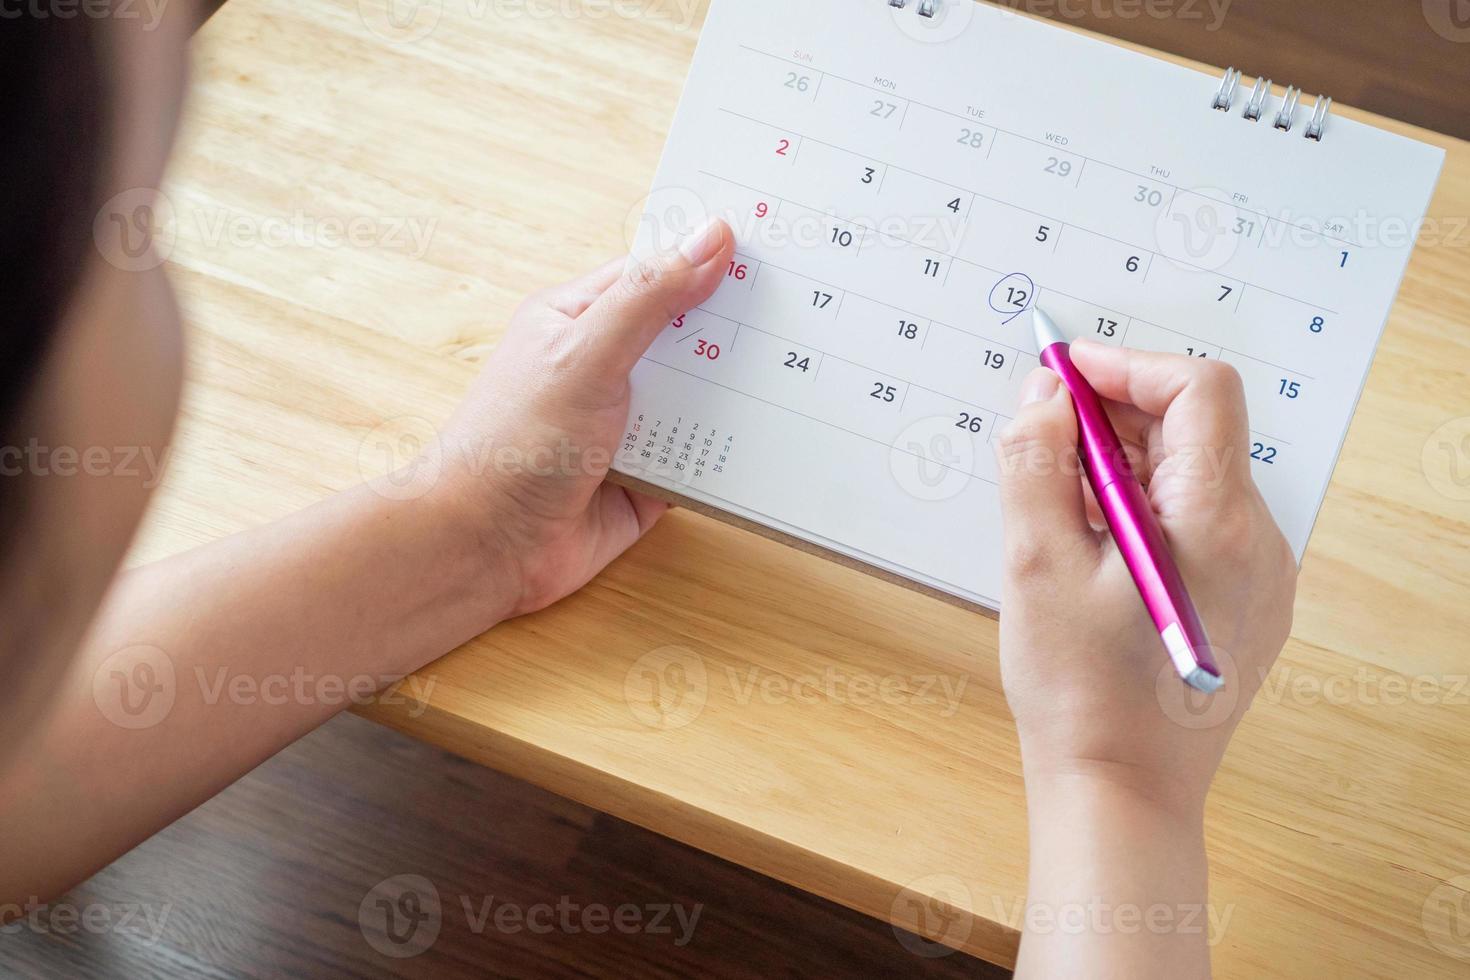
(272, 879)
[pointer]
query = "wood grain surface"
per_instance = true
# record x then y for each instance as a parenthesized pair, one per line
(780, 711)
(270, 879)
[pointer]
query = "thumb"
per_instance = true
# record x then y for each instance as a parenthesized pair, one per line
(624, 320)
(1040, 482)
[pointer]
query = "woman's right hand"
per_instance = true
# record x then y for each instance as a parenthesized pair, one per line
(1085, 673)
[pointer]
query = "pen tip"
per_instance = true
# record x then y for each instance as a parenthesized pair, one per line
(1204, 681)
(1046, 330)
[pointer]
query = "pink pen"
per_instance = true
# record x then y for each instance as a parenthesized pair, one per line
(1131, 518)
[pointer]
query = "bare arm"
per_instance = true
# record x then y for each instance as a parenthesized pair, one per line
(1118, 754)
(202, 666)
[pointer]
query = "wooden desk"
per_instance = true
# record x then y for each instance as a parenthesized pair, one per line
(814, 741)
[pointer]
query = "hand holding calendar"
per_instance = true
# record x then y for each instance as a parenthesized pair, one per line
(904, 187)
(533, 438)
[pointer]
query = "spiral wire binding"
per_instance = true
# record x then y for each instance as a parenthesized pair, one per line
(1255, 106)
(1258, 99)
(1319, 118)
(1224, 99)
(926, 7)
(1226, 95)
(1286, 115)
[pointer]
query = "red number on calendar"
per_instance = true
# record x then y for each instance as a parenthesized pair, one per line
(762, 209)
(783, 147)
(739, 271)
(679, 321)
(711, 351)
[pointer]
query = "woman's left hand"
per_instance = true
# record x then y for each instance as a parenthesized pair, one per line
(527, 452)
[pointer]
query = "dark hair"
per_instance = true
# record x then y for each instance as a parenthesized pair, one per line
(51, 162)
(52, 115)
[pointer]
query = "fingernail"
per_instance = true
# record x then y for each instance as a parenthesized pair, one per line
(702, 245)
(1039, 385)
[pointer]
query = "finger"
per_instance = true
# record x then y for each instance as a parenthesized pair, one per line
(1201, 405)
(614, 520)
(1132, 423)
(572, 298)
(1139, 433)
(1040, 490)
(618, 327)
(1140, 461)
(649, 509)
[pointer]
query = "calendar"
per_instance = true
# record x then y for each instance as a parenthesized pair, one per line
(906, 179)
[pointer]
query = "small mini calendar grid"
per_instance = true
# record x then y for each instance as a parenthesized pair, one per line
(907, 179)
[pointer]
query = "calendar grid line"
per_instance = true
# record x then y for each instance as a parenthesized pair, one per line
(995, 417)
(1289, 370)
(873, 370)
(834, 425)
(1130, 317)
(1153, 252)
(1180, 333)
(1230, 350)
(857, 222)
(830, 214)
(890, 306)
(824, 354)
(1031, 139)
(1268, 436)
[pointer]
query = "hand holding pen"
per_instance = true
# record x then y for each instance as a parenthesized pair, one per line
(1118, 754)
(1085, 670)
(1130, 517)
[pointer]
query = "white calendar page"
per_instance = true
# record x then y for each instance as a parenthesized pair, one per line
(903, 189)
